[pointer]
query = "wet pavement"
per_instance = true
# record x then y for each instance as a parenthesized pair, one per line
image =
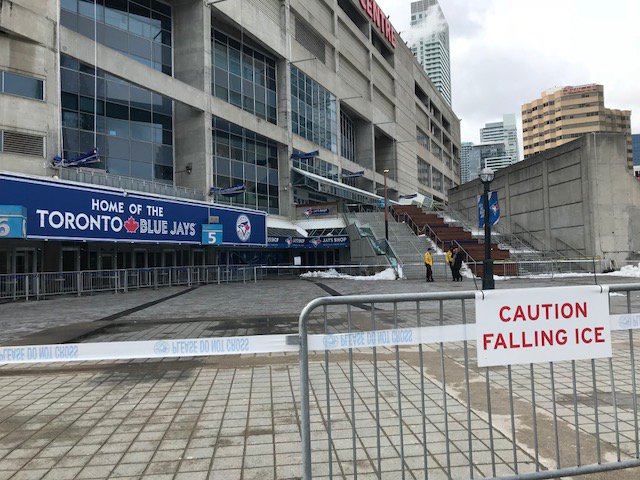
(237, 417)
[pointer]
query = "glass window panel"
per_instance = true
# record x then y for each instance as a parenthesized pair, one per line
(70, 5)
(223, 167)
(85, 121)
(118, 148)
(142, 152)
(141, 132)
(141, 170)
(69, 119)
(163, 172)
(163, 155)
(70, 139)
(138, 115)
(163, 120)
(237, 169)
(117, 128)
(23, 86)
(140, 47)
(69, 101)
(87, 142)
(118, 166)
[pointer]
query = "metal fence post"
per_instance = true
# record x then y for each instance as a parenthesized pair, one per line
(79, 281)
(26, 287)
(305, 418)
(189, 276)
(155, 279)
(37, 286)
(126, 280)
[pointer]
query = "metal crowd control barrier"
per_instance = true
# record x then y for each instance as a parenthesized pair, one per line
(41, 285)
(423, 409)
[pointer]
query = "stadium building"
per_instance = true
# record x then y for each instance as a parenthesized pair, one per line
(143, 133)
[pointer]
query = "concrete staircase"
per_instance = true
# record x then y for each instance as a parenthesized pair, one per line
(444, 235)
(409, 248)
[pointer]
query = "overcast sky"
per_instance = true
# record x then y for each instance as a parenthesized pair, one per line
(506, 52)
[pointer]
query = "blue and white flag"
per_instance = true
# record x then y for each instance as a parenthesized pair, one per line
(408, 197)
(306, 155)
(230, 191)
(86, 159)
(353, 175)
(494, 209)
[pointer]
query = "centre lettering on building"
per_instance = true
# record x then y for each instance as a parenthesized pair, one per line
(378, 17)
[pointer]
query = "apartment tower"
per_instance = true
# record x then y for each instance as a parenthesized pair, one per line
(563, 114)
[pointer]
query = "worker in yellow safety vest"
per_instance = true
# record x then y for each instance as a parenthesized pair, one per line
(449, 260)
(428, 263)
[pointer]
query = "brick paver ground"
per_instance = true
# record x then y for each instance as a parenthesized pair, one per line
(238, 417)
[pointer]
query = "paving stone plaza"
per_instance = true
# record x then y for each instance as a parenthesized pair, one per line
(238, 417)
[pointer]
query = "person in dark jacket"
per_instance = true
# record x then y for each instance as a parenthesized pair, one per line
(458, 258)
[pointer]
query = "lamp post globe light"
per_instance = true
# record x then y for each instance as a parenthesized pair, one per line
(486, 177)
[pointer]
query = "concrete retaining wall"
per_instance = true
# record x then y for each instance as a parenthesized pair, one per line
(577, 198)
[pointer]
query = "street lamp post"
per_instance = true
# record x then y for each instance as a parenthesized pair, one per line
(486, 176)
(386, 208)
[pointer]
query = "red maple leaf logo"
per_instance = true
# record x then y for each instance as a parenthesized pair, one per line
(131, 225)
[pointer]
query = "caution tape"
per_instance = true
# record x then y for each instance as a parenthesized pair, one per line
(254, 344)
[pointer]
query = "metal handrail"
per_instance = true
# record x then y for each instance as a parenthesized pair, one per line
(439, 243)
(382, 247)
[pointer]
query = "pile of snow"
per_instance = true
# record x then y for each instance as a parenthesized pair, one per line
(632, 271)
(388, 274)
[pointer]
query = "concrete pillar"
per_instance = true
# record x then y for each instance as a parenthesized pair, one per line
(284, 118)
(192, 65)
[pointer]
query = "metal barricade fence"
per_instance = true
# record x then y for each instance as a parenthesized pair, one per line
(41, 285)
(545, 268)
(424, 409)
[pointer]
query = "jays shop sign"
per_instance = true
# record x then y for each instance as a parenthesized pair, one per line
(312, 242)
(542, 325)
(62, 211)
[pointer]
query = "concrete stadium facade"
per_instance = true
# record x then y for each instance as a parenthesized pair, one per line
(156, 86)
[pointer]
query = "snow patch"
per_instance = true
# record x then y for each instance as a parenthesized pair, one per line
(632, 271)
(388, 274)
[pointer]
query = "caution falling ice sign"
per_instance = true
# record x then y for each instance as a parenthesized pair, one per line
(539, 325)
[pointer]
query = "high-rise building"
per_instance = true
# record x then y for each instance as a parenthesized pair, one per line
(563, 114)
(492, 155)
(465, 150)
(429, 42)
(504, 131)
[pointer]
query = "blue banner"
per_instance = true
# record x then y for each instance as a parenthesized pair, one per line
(494, 209)
(309, 242)
(64, 211)
(313, 154)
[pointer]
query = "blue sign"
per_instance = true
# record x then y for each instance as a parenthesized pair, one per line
(314, 212)
(309, 242)
(212, 235)
(62, 211)
(12, 221)
(494, 209)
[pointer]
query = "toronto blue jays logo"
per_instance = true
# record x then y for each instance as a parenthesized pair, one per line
(330, 341)
(243, 228)
(289, 241)
(316, 241)
(161, 347)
